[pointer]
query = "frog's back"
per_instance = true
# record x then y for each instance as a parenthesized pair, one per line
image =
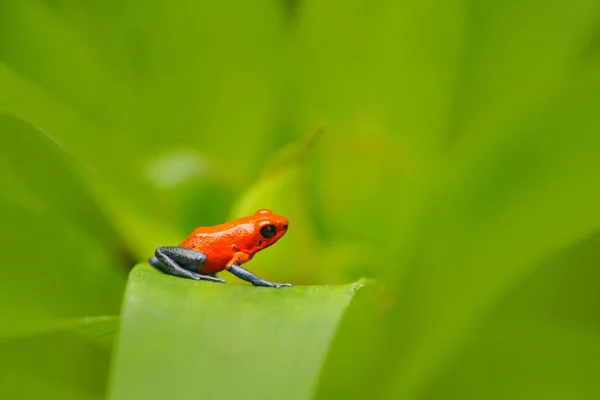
(213, 236)
(218, 243)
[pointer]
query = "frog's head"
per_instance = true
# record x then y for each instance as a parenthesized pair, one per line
(269, 227)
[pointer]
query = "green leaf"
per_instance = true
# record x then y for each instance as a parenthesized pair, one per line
(542, 337)
(185, 339)
(59, 264)
(60, 365)
(513, 184)
(100, 330)
(66, 359)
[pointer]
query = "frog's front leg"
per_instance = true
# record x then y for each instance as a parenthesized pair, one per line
(248, 276)
(179, 261)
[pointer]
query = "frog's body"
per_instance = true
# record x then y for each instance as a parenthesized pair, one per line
(209, 250)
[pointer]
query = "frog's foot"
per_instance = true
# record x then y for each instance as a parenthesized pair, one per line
(155, 263)
(253, 279)
(181, 262)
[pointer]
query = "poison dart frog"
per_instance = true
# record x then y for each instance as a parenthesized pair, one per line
(209, 250)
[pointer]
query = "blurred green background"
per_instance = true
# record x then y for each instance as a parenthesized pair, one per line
(448, 150)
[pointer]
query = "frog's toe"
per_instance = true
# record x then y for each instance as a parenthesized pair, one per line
(209, 278)
(280, 285)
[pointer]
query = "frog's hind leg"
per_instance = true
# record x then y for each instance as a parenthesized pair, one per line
(181, 262)
(155, 263)
(186, 263)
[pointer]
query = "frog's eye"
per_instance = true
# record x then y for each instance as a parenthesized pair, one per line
(268, 231)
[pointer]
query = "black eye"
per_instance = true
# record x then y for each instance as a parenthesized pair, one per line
(268, 231)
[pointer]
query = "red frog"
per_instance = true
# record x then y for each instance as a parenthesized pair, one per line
(212, 249)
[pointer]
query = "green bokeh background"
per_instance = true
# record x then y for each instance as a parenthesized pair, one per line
(448, 150)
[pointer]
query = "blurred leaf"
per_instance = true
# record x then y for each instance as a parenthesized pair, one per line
(59, 365)
(140, 230)
(181, 76)
(357, 189)
(543, 337)
(58, 250)
(382, 77)
(54, 55)
(48, 181)
(65, 359)
(190, 186)
(514, 186)
(506, 209)
(176, 333)
(58, 264)
(99, 330)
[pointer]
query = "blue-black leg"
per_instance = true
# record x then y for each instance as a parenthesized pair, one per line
(181, 262)
(253, 279)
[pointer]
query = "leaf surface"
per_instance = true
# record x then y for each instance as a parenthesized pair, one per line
(186, 339)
